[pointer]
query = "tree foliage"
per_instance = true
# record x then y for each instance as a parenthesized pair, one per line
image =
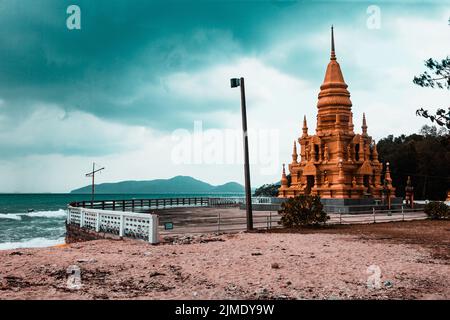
(440, 78)
(302, 210)
(270, 189)
(267, 190)
(437, 210)
(424, 156)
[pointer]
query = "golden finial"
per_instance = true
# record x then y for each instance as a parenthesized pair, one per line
(333, 53)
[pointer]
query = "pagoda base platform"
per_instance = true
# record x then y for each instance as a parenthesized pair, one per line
(334, 205)
(358, 205)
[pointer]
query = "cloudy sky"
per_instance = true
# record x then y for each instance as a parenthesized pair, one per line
(143, 87)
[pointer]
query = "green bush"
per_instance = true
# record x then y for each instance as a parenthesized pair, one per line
(437, 210)
(302, 210)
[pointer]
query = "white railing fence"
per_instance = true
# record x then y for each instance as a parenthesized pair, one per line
(123, 224)
(223, 221)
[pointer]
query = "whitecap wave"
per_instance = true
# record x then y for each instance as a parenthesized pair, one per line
(46, 214)
(10, 216)
(32, 243)
(36, 214)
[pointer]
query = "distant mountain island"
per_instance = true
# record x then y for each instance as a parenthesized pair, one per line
(178, 184)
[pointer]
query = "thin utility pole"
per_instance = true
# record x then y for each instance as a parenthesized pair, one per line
(236, 82)
(92, 174)
(248, 194)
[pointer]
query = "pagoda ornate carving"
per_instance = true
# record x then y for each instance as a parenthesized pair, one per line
(336, 162)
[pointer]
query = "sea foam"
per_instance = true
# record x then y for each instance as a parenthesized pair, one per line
(32, 243)
(35, 214)
(10, 216)
(46, 214)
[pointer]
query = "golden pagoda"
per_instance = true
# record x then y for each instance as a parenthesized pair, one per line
(336, 162)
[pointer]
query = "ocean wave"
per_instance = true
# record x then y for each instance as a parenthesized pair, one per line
(35, 214)
(46, 214)
(10, 216)
(32, 243)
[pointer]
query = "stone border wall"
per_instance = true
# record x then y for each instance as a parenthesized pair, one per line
(76, 234)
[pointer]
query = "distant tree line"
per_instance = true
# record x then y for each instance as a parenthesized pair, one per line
(424, 156)
(267, 190)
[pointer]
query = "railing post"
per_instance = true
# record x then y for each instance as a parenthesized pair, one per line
(122, 218)
(270, 221)
(82, 219)
(403, 214)
(340, 216)
(153, 236)
(97, 223)
(123, 205)
(68, 215)
(218, 222)
(373, 209)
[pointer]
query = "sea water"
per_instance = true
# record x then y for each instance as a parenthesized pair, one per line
(37, 220)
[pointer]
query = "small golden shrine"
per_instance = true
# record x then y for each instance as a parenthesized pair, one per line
(336, 162)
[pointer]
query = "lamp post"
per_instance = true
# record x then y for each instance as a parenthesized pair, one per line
(236, 82)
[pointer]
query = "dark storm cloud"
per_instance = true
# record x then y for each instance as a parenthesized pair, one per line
(118, 65)
(122, 46)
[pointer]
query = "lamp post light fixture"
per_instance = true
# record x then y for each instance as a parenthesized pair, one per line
(236, 82)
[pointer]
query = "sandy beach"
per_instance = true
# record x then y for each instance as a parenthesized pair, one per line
(413, 258)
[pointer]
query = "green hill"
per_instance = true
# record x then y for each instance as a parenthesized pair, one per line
(178, 184)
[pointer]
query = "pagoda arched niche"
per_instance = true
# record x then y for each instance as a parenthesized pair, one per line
(310, 174)
(365, 174)
(316, 145)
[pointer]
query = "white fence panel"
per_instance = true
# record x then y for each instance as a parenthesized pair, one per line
(124, 224)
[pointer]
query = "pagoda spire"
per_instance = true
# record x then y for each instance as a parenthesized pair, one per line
(284, 180)
(294, 153)
(375, 151)
(364, 125)
(305, 127)
(334, 98)
(333, 53)
(387, 176)
(350, 123)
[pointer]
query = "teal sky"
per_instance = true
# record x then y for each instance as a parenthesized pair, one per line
(115, 91)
